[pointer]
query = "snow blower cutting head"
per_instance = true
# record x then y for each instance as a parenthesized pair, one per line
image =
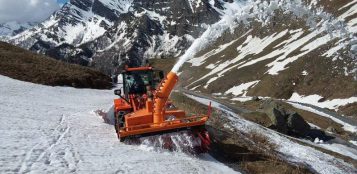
(144, 108)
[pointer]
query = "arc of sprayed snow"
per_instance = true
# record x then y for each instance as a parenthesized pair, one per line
(212, 33)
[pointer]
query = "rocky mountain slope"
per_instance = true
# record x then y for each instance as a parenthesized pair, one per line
(304, 51)
(107, 33)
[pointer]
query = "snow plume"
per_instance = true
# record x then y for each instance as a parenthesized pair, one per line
(211, 34)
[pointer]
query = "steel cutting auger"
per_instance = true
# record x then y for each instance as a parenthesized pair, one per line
(144, 108)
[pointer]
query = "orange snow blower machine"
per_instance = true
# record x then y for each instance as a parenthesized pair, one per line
(144, 108)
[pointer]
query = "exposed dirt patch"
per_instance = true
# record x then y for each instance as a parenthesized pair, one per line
(257, 117)
(349, 110)
(332, 6)
(24, 65)
(323, 78)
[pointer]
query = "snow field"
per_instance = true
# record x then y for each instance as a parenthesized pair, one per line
(314, 100)
(55, 130)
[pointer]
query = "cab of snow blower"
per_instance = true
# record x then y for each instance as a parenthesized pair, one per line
(144, 109)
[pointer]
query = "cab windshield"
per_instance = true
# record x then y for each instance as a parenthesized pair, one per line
(136, 82)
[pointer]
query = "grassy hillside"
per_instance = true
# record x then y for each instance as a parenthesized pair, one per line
(282, 56)
(24, 65)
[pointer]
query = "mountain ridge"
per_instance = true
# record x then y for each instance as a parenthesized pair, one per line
(9, 29)
(278, 48)
(90, 32)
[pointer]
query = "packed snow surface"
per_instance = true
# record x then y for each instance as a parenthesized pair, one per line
(341, 149)
(55, 130)
(242, 88)
(314, 100)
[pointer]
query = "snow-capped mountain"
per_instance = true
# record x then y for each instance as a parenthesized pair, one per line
(9, 29)
(301, 46)
(110, 32)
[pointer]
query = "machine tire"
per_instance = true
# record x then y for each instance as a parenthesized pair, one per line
(119, 122)
(121, 139)
(116, 123)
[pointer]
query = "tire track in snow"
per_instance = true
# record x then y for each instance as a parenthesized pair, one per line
(62, 155)
(44, 148)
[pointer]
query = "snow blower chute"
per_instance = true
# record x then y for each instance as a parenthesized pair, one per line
(145, 110)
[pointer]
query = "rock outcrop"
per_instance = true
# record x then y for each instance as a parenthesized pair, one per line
(284, 121)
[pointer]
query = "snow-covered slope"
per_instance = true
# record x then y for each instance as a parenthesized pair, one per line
(55, 130)
(278, 48)
(10, 29)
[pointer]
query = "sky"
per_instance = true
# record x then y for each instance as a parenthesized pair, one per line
(28, 10)
(62, 1)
